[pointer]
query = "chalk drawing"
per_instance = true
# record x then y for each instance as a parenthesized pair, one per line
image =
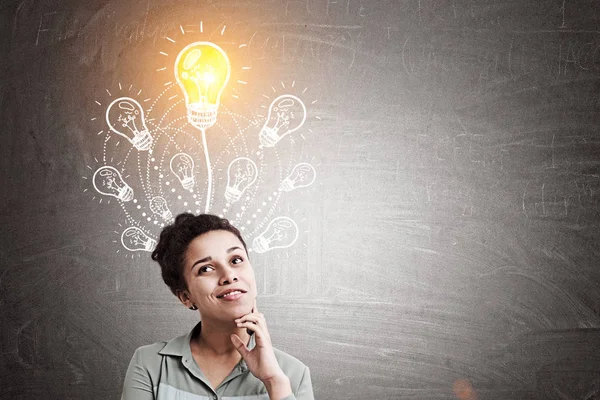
(282, 232)
(302, 175)
(287, 114)
(182, 166)
(198, 90)
(125, 116)
(159, 206)
(135, 239)
(108, 181)
(202, 71)
(241, 174)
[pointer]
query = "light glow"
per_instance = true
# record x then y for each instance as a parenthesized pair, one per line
(202, 71)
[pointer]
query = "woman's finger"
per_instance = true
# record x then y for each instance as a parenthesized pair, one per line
(260, 334)
(239, 345)
(256, 318)
(249, 324)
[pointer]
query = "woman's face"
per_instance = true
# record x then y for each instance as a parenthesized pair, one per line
(219, 277)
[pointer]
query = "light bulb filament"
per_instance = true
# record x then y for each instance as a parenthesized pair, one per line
(282, 120)
(203, 85)
(301, 176)
(275, 236)
(239, 178)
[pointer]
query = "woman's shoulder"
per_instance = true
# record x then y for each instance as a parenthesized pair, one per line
(153, 353)
(149, 352)
(149, 349)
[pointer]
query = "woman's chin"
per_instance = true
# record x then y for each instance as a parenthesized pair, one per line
(237, 310)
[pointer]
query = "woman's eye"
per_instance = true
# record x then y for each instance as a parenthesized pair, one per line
(237, 260)
(205, 268)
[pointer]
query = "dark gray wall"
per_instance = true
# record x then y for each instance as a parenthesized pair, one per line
(451, 236)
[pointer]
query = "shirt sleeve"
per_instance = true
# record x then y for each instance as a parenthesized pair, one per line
(304, 390)
(137, 385)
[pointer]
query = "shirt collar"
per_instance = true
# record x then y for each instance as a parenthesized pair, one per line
(180, 345)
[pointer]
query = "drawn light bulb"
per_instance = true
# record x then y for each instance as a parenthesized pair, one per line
(108, 181)
(158, 205)
(182, 166)
(281, 232)
(202, 70)
(287, 114)
(134, 239)
(125, 116)
(302, 175)
(241, 173)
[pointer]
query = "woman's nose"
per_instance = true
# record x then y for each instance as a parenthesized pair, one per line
(229, 276)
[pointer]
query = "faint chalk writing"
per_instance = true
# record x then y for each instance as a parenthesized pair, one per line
(570, 199)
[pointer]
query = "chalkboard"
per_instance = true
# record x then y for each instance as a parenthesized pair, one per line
(441, 241)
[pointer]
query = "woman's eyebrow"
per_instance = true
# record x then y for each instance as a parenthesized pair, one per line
(205, 259)
(233, 248)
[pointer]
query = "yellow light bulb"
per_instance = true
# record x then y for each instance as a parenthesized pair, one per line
(202, 71)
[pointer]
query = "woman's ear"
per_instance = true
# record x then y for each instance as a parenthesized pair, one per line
(184, 297)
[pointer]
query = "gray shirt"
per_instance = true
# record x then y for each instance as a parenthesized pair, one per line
(167, 370)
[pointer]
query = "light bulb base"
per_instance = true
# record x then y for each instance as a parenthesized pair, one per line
(268, 136)
(202, 115)
(232, 195)
(260, 245)
(188, 183)
(134, 239)
(287, 185)
(142, 141)
(125, 193)
(149, 245)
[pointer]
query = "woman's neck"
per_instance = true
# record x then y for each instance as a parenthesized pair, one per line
(214, 339)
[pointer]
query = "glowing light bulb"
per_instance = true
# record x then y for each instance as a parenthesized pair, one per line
(282, 232)
(108, 181)
(302, 175)
(134, 239)
(158, 205)
(182, 166)
(202, 70)
(287, 114)
(241, 173)
(125, 116)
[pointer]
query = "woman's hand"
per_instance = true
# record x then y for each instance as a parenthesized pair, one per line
(261, 359)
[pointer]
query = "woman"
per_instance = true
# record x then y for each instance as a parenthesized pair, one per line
(228, 354)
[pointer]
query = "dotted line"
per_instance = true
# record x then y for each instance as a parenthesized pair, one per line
(159, 97)
(104, 148)
(232, 143)
(141, 174)
(171, 109)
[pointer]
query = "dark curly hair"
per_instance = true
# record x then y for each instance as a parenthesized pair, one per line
(175, 238)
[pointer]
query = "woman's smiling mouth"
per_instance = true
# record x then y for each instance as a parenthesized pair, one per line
(231, 295)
